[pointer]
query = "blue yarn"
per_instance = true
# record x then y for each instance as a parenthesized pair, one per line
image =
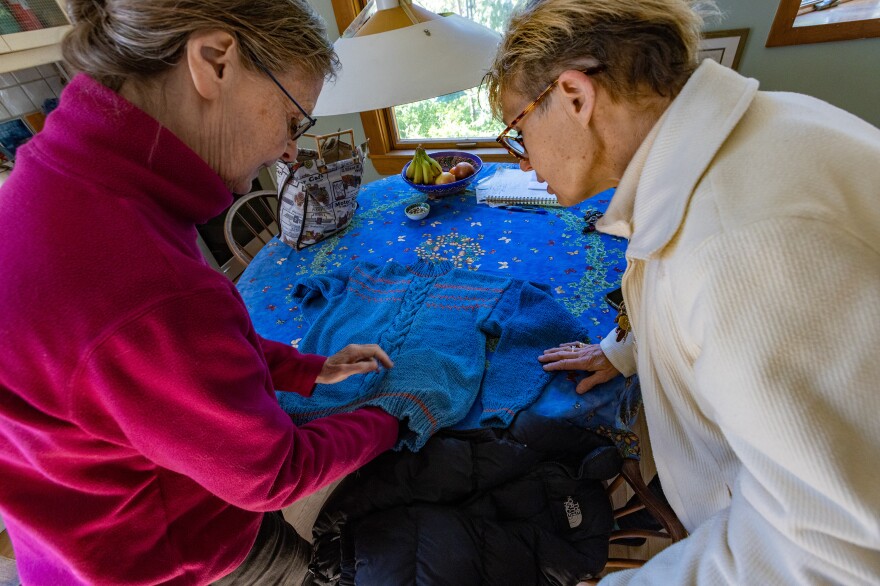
(433, 321)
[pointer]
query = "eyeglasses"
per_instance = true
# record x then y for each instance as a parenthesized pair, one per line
(515, 145)
(297, 127)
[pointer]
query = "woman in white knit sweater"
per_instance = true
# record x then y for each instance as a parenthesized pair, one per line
(752, 286)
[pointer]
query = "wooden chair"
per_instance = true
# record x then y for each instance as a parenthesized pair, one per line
(250, 223)
(630, 477)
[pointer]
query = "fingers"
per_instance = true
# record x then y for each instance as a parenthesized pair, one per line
(566, 362)
(374, 351)
(576, 344)
(339, 367)
(594, 379)
(557, 356)
(354, 353)
(567, 347)
(351, 360)
(360, 367)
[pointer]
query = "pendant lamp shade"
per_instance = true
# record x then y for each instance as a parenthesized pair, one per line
(402, 53)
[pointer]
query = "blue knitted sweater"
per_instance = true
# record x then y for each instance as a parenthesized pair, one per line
(433, 321)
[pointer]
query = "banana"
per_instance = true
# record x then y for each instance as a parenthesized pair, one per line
(428, 171)
(437, 168)
(429, 168)
(417, 175)
(414, 165)
(426, 176)
(422, 168)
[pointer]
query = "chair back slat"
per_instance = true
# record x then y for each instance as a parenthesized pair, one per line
(250, 223)
(271, 214)
(254, 233)
(260, 215)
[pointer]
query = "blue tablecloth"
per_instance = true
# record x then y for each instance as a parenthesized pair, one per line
(552, 248)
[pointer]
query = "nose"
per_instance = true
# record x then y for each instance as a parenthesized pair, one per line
(290, 152)
(525, 165)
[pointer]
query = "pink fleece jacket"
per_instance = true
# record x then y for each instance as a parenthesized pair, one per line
(140, 438)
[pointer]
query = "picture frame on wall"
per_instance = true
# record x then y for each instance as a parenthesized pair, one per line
(800, 22)
(725, 47)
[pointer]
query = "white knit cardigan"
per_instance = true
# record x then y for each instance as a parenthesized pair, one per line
(753, 286)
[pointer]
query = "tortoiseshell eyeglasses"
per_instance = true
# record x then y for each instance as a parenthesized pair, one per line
(515, 143)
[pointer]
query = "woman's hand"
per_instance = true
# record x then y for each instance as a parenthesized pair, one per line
(353, 359)
(580, 356)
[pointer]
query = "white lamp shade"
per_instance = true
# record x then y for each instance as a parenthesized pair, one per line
(409, 64)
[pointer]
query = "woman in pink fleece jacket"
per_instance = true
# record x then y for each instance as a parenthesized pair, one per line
(140, 438)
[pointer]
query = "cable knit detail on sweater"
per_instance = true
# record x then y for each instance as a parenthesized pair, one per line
(433, 321)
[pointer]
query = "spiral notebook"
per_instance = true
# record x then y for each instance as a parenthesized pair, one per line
(538, 199)
(512, 186)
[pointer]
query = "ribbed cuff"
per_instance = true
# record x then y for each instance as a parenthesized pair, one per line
(298, 374)
(621, 354)
(421, 413)
(390, 428)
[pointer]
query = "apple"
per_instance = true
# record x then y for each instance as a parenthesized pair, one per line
(462, 170)
(444, 178)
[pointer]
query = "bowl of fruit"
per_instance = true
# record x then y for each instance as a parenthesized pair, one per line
(442, 173)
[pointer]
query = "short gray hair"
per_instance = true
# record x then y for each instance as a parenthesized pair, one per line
(646, 46)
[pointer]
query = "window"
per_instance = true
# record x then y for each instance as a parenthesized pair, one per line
(462, 116)
(461, 120)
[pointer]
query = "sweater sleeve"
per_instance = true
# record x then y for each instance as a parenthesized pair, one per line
(186, 385)
(313, 294)
(527, 320)
(788, 325)
(291, 371)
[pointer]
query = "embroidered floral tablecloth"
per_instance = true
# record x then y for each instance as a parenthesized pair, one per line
(555, 248)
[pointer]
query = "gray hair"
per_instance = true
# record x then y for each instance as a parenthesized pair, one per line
(646, 46)
(115, 40)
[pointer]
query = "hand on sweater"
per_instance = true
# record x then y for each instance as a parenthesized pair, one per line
(580, 356)
(353, 359)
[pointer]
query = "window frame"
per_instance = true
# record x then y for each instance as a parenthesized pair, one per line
(387, 152)
(784, 33)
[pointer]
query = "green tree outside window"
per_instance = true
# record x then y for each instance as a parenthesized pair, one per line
(463, 115)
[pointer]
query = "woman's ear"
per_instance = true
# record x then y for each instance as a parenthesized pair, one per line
(211, 56)
(578, 94)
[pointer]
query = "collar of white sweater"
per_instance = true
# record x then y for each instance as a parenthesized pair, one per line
(650, 202)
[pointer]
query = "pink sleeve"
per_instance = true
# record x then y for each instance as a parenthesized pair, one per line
(291, 371)
(186, 385)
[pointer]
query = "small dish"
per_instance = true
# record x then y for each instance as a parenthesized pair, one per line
(417, 211)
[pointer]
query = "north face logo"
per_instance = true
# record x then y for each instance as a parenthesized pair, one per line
(573, 512)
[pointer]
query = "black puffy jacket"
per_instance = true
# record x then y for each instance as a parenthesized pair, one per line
(521, 506)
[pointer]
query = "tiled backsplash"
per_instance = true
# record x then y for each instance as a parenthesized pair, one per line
(26, 90)
(25, 97)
